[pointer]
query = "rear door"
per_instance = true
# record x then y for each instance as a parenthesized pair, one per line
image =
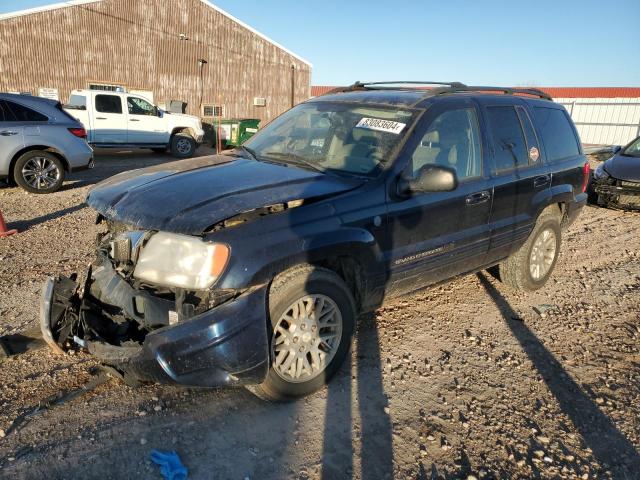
(436, 235)
(144, 125)
(110, 121)
(520, 181)
(11, 136)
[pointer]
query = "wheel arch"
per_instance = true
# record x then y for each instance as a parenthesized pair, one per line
(188, 130)
(30, 148)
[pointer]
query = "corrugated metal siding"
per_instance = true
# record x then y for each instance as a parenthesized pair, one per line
(604, 121)
(136, 43)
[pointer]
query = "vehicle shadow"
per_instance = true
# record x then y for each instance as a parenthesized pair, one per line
(22, 225)
(373, 425)
(610, 447)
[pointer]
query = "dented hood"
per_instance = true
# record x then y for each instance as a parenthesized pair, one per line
(624, 167)
(189, 196)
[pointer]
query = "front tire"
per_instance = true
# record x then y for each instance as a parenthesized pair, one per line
(530, 267)
(312, 317)
(183, 145)
(39, 172)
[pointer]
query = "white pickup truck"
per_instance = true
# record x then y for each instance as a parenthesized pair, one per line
(116, 119)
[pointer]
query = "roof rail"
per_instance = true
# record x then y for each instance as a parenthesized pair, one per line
(444, 88)
(506, 90)
(405, 82)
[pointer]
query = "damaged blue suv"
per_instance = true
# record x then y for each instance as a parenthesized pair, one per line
(250, 268)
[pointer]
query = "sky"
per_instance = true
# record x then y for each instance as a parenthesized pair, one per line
(482, 42)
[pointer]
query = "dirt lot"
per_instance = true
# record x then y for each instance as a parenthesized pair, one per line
(461, 379)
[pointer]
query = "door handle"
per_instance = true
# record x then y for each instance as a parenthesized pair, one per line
(542, 180)
(101, 118)
(478, 197)
(8, 133)
(134, 120)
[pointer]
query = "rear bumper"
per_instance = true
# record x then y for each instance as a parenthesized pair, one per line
(226, 345)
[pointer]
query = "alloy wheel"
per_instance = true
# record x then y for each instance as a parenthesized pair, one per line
(183, 146)
(40, 173)
(306, 338)
(543, 254)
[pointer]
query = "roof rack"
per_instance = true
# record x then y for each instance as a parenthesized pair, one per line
(506, 90)
(405, 82)
(445, 88)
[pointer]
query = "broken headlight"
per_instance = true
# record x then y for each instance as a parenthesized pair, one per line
(182, 261)
(600, 173)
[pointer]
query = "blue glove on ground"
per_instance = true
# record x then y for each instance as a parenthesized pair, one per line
(171, 467)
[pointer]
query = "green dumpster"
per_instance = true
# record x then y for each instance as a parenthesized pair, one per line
(235, 131)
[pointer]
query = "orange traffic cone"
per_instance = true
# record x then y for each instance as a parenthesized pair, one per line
(3, 228)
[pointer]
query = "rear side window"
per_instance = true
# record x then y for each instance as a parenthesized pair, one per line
(78, 102)
(2, 114)
(508, 138)
(108, 104)
(21, 113)
(533, 149)
(559, 138)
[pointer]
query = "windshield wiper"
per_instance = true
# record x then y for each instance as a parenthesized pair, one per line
(249, 151)
(296, 160)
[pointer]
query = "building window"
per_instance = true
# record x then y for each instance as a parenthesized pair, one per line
(106, 87)
(210, 111)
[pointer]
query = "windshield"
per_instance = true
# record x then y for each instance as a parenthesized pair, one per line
(633, 150)
(335, 137)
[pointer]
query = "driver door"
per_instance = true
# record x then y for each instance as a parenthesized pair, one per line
(437, 235)
(145, 126)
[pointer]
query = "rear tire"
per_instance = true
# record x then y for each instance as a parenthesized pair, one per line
(183, 145)
(312, 317)
(39, 172)
(530, 267)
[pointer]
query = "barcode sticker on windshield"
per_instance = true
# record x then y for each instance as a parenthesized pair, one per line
(381, 125)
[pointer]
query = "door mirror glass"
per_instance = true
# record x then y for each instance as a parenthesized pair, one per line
(159, 112)
(430, 178)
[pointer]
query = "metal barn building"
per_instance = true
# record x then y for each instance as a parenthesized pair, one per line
(187, 50)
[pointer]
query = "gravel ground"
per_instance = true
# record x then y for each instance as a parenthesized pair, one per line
(466, 378)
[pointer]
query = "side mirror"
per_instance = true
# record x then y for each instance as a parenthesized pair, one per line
(615, 149)
(430, 178)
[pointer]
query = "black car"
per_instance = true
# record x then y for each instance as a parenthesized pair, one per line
(616, 182)
(250, 268)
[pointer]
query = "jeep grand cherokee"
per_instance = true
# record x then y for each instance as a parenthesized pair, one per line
(251, 267)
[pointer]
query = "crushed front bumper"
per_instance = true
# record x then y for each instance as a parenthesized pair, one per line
(226, 345)
(625, 195)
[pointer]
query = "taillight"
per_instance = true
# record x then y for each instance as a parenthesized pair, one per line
(78, 132)
(586, 170)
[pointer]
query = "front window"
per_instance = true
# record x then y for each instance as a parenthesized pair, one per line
(451, 140)
(334, 137)
(633, 150)
(138, 106)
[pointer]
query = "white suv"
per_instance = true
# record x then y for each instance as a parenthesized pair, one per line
(116, 119)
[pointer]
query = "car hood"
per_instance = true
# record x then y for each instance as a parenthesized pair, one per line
(191, 118)
(189, 196)
(623, 168)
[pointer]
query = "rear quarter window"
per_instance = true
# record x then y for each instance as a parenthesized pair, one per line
(558, 136)
(78, 102)
(21, 113)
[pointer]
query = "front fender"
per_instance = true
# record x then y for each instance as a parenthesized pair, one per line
(257, 264)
